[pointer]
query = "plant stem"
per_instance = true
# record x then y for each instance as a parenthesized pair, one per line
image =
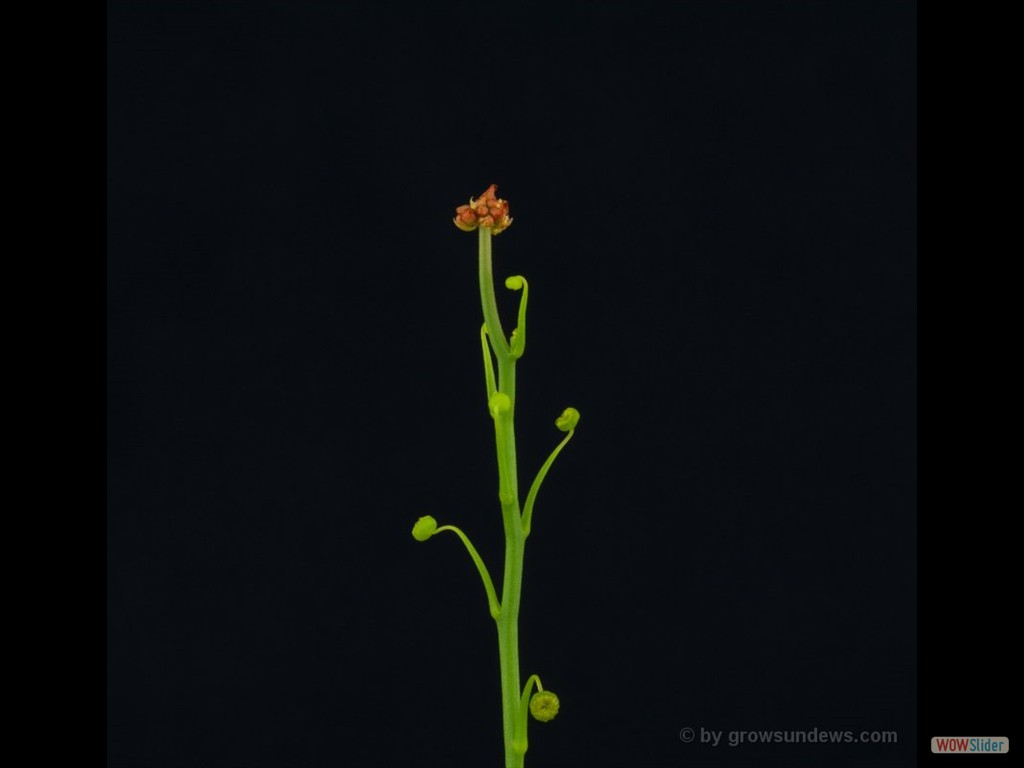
(508, 645)
(487, 300)
(508, 494)
(492, 598)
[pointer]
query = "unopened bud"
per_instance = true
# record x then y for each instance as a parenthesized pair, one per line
(568, 420)
(425, 528)
(544, 706)
(488, 211)
(499, 403)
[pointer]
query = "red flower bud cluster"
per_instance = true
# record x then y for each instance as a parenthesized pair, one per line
(488, 210)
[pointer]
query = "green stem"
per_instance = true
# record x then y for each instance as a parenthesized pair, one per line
(492, 386)
(490, 305)
(508, 493)
(521, 742)
(508, 646)
(517, 343)
(531, 497)
(492, 598)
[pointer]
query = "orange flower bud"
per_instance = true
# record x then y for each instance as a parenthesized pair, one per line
(465, 219)
(488, 210)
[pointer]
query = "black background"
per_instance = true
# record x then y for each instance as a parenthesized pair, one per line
(715, 206)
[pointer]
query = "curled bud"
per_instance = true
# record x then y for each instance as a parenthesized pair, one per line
(499, 403)
(487, 211)
(425, 528)
(517, 341)
(568, 420)
(544, 706)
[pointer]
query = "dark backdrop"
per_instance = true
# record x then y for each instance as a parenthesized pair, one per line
(715, 206)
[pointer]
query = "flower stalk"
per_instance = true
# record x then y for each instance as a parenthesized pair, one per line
(488, 215)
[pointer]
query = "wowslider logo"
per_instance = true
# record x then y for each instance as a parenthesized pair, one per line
(966, 745)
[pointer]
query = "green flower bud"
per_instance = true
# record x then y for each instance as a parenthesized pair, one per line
(568, 420)
(544, 706)
(425, 528)
(500, 403)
